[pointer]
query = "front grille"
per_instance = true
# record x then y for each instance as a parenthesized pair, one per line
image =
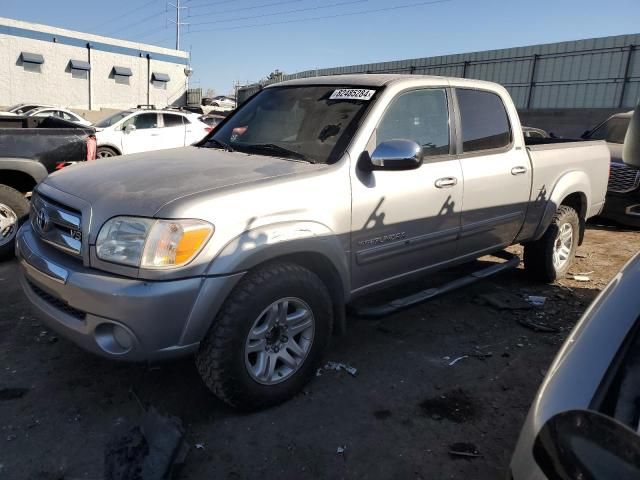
(57, 302)
(57, 224)
(623, 178)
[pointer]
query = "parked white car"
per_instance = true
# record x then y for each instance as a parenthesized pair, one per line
(132, 131)
(22, 109)
(220, 103)
(62, 113)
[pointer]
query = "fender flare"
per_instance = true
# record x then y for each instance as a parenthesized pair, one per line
(264, 243)
(30, 167)
(568, 184)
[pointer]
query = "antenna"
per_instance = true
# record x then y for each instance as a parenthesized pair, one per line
(177, 21)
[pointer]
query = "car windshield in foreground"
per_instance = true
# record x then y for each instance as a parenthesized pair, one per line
(310, 123)
(112, 119)
(613, 130)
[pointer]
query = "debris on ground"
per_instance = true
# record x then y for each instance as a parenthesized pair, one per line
(536, 301)
(505, 301)
(453, 362)
(12, 393)
(582, 278)
(582, 255)
(337, 366)
(538, 327)
(341, 449)
(464, 450)
(152, 449)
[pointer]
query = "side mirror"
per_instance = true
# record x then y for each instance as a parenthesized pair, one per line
(582, 444)
(130, 128)
(397, 155)
(631, 149)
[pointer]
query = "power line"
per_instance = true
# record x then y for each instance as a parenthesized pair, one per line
(286, 12)
(253, 7)
(138, 22)
(208, 4)
(339, 15)
(122, 15)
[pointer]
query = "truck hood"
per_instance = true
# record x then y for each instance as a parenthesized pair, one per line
(141, 184)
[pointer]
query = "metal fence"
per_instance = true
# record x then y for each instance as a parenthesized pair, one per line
(592, 73)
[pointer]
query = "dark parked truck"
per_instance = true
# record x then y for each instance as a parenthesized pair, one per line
(30, 149)
(245, 248)
(623, 192)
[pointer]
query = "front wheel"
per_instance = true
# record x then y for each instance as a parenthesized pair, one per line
(268, 339)
(14, 209)
(549, 258)
(106, 152)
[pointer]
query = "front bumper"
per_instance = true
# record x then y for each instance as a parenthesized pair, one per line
(114, 316)
(623, 208)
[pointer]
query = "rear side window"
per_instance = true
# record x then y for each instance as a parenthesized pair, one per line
(421, 116)
(172, 120)
(485, 124)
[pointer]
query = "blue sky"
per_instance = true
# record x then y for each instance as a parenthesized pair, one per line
(231, 46)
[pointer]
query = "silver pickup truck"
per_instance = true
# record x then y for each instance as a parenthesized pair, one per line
(245, 248)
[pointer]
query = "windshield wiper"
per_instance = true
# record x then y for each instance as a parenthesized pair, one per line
(278, 150)
(222, 145)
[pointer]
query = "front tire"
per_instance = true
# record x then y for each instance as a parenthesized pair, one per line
(14, 209)
(549, 258)
(268, 339)
(106, 152)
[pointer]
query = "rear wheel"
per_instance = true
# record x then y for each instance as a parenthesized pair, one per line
(549, 258)
(14, 209)
(105, 152)
(268, 339)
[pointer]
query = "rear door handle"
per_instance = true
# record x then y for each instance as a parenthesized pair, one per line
(518, 170)
(446, 182)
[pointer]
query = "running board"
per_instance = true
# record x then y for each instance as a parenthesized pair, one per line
(512, 261)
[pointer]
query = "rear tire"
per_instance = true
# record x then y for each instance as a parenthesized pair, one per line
(549, 258)
(14, 210)
(106, 152)
(251, 331)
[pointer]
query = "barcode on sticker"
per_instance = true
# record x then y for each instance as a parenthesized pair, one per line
(352, 94)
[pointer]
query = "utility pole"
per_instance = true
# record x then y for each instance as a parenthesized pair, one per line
(177, 21)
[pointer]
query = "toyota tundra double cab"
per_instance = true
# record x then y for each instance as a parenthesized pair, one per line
(245, 248)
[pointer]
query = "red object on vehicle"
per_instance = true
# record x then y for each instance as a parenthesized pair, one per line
(91, 147)
(208, 129)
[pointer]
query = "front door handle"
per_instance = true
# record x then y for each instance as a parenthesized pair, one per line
(518, 170)
(446, 182)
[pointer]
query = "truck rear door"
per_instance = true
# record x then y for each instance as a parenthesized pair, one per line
(405, 221)
(496, 169)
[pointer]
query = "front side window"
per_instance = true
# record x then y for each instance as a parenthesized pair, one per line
(312, 123)
(172, 120)
(421, 116)
(613, 130)
(143, 121)
(484, 120)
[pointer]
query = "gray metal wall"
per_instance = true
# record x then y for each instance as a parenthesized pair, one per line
(592, 73)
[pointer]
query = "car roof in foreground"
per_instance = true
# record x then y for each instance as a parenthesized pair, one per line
(380, 80)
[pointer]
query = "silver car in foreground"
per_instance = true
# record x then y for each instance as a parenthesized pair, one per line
(245, 248)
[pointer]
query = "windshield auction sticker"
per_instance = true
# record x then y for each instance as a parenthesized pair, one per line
(352, 94)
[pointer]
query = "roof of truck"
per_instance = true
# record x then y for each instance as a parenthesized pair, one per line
(379, 80)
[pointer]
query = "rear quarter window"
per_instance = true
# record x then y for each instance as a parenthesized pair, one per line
(484, 120)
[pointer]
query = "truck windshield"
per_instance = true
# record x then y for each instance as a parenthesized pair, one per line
(613, 130)
(309, 123)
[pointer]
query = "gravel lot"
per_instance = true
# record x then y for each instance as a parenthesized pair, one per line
(399, 417)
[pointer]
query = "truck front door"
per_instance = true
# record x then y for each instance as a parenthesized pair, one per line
(497, 173)
(406, 221)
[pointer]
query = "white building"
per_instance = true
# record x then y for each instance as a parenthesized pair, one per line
(61, 67)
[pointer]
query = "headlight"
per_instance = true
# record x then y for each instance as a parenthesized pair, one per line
(149, 243)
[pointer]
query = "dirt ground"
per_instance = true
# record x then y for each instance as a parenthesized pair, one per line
(412, 401)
